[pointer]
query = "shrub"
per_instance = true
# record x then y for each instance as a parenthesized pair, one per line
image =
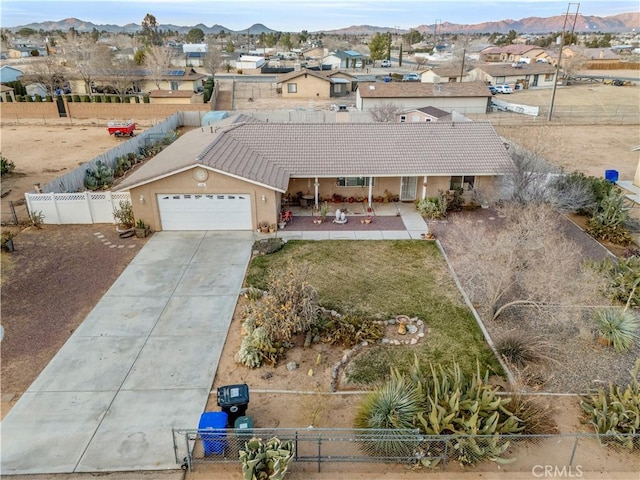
(124, 214)
(36, 218)
(616, 413)
(349, 330)
(622, 275)
(432, 208)
(608, 222)
(145, 99)
(453, 404)
(38, 98)
(98, 177)
(617, 327)
(6, 166)
(536, 416)
(520, 349)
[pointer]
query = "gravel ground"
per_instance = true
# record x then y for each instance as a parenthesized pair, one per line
(50, 283)
(581, 362)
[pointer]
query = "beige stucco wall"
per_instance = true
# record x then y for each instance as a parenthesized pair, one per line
(216, 183)
(309, 87)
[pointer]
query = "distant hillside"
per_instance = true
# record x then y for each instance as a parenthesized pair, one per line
(624, 22)
(82, 26)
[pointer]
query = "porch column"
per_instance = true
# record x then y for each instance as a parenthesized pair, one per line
(424, 187)
(316, 184)
(370, 191)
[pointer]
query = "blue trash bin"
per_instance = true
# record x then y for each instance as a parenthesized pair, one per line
(214, 442)
(611, 175)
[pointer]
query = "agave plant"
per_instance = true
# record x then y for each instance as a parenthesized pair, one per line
(618, 327)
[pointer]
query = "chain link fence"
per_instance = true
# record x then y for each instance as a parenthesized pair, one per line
(14, 212)
(516, 453)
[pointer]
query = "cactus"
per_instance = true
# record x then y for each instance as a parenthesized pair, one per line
(268, 460)
(99, 177)
(616, 413)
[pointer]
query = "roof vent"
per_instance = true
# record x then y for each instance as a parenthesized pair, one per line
(372, 87)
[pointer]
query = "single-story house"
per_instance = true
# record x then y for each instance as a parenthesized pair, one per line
(244, 171)
(424, 114)
(312, 84)
(351, 79)
(36, 88)
(173, 97)
(465, 97)
(7, 93)
(10, 74)
(24, 51)
(601, 55)
(443, 75)
(189, 59)
(511, 53)
(177, 79)
(534, 75)
(342, 59)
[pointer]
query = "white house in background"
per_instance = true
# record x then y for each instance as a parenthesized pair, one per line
(342, 59)
(195, 47)
(249, 62)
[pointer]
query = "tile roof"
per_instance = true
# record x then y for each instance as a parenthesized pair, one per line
(422, 90)
(271, 153)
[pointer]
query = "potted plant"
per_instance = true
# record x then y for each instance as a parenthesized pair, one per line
(272, 228)
(7, 241)
(142, 229)
(366, 220)
(324, 210)
(263, 226)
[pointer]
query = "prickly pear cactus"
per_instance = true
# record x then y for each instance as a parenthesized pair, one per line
(268, 461)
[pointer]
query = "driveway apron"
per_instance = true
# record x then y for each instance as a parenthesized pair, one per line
(141, 363)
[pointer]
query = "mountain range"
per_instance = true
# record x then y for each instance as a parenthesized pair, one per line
(624, 22)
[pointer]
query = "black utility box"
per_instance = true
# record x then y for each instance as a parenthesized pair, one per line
(233, 399)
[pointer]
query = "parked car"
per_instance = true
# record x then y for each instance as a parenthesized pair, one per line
(411, 77)
(385, 63)
(359, 64)
(503, 89)
(492, 89)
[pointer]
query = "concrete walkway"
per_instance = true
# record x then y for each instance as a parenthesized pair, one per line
(140, 364)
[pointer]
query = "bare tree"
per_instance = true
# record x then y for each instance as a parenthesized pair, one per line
(213, 58)
(122, 75)
(533, 180)
(49, 72)
(87, 59)
(526, 261)
(384, 113)
(157, 61)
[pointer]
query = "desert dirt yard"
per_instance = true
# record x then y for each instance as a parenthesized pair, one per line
(42, 152)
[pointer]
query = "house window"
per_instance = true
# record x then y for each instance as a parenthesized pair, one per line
(337, 88)
(174, 85)
(292, 88)
(466, 182)
(403, 118)
(500, 80)
(354, 182)
(548, 77)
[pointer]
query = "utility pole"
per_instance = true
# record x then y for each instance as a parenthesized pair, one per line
(564, 28)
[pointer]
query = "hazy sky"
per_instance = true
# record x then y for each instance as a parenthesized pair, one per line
(296, 15)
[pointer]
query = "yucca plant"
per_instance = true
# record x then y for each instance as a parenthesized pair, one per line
(618, 327)
(395, 405)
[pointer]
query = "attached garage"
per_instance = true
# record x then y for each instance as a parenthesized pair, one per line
(205, 211)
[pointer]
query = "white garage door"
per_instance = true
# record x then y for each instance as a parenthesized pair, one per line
(205, 212)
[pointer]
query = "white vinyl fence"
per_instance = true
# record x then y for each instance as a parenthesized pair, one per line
(79, 207)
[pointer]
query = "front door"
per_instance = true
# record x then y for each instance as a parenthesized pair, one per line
(408, 189)
(535, 81)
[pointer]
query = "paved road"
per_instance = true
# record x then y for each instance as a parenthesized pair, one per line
(140, 364)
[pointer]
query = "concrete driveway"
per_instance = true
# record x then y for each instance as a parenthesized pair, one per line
(140, 364)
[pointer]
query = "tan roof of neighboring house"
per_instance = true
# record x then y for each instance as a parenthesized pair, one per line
(304, 72)
(170, 94)
(513, 49)
(4, 88)
(429, 110)
(506, 69)
(422, 90)
(449, 72)
(272, 153)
